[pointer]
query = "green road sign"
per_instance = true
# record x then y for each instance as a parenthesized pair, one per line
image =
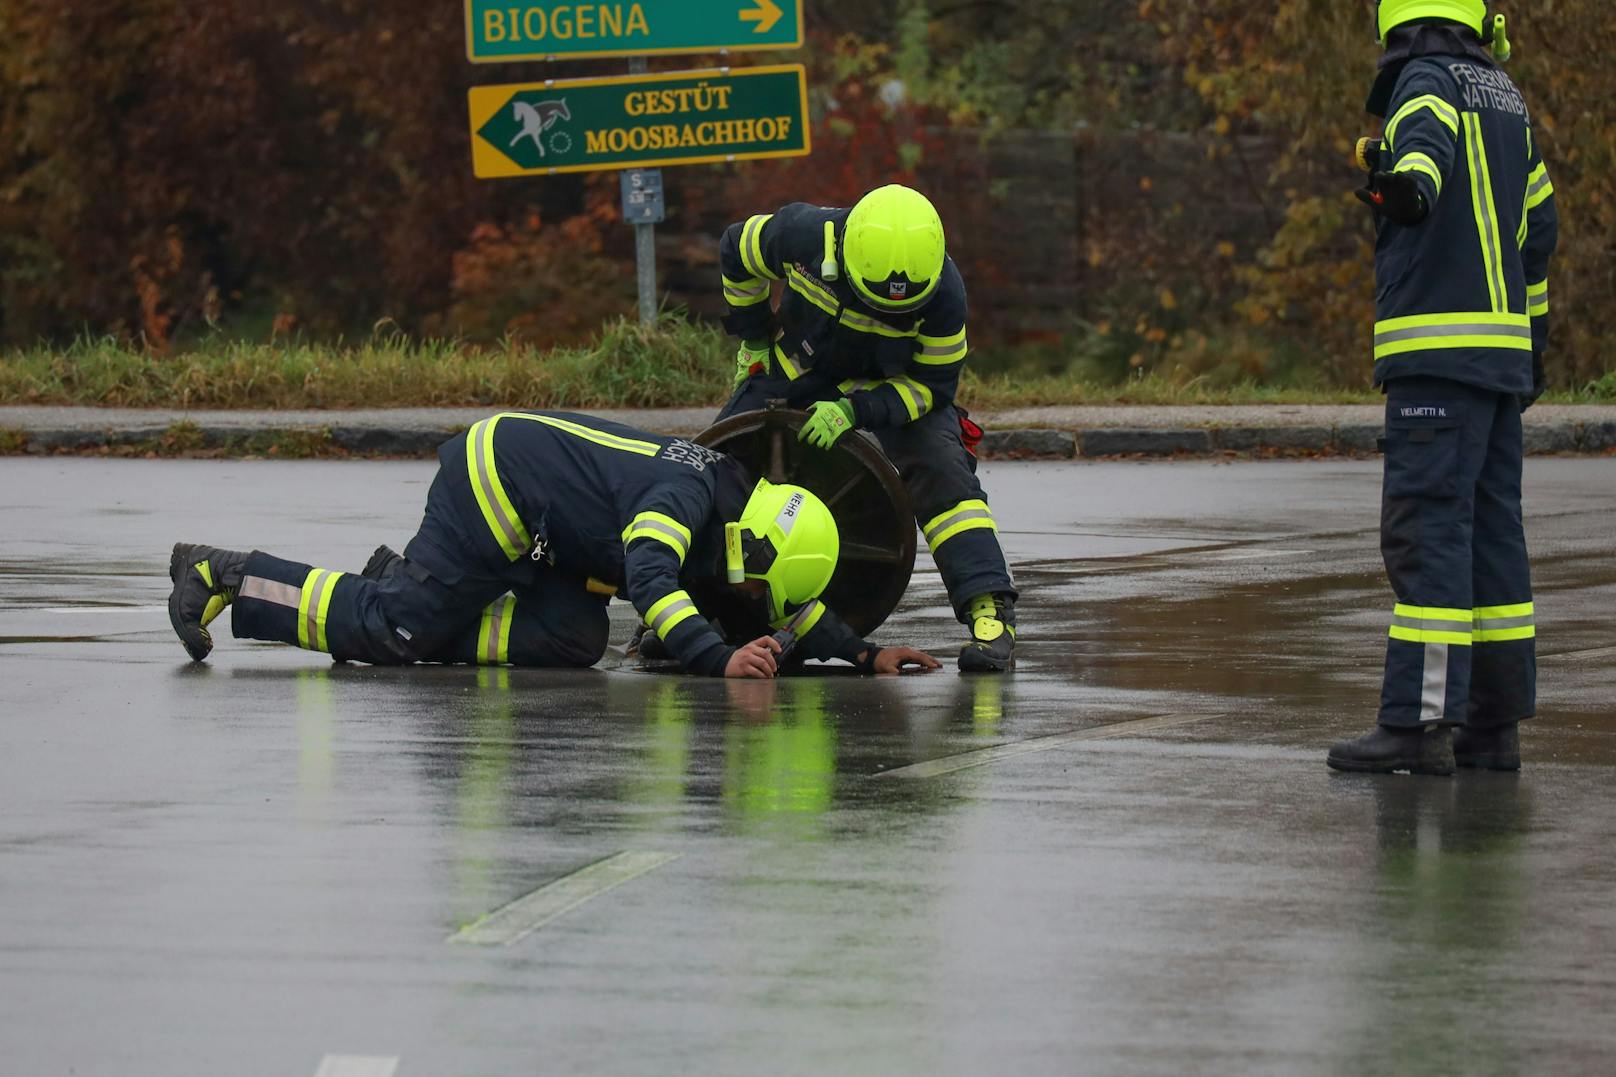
(544, 29)
(679, 118)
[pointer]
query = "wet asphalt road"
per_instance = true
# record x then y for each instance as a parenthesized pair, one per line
(270, 865)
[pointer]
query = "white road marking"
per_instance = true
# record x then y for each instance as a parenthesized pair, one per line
(357, 1066)
(99, 611)
(510, 924)
(1257, 555)
(1590, 654)
(982, 756)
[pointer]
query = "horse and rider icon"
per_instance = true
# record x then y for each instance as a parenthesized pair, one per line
(538, 118)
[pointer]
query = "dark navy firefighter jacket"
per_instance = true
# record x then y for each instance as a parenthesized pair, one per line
(1464, 294)
(609, 504)
(893, 367)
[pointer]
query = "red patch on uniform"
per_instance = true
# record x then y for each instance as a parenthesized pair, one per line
(970, 434)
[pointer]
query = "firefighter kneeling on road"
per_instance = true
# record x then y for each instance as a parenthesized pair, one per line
(870, 335)
(1466, 220)
(534, 521)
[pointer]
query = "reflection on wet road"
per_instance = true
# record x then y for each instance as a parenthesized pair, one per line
(1128, 857)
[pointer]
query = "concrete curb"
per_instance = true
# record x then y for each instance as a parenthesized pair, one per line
(418, 436)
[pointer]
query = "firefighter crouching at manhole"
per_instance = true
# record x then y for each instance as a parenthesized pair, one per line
(1466, 220)
(870, 335)
(529, 513)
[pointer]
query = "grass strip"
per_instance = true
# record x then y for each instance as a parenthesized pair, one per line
(676, 363)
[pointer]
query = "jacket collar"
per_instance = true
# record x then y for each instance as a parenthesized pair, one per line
(1411, 42)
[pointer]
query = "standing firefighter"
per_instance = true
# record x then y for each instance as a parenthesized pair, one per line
(870, 335)
(1466, 220)
(534, 521)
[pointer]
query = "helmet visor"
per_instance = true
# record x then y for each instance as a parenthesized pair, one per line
(895, 293)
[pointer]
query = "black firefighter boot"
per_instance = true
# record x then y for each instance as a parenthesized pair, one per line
(993, 635)
(1493, 748)
(1394, 748)
(205, 582)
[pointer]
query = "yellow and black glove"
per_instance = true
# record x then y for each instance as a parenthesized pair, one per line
(829, 420)
(753, 358)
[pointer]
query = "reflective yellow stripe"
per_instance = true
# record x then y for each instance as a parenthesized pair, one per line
(1537, 299)
(1457, 321)
(669, 612)
(1434, 613)
(1431, 332)
(752, 246)
(1504, 635)
(313, 605)
(1431, 624)
(803, 621)
(744, 293)
(1538, 187)
(811, 291)
(916, 397)
(1486, 211)
(787, 367)
(1417, 635)
(325, 607)
(1519, 609)
(494, 635)
(1419, 162)
(940, 351)
(498, 512)
(663, 529)
(588, 433)
(304, 637)
(1505, 343)
(1500, 624)
(966, 516)
(826, 300)
(808, 617)
(854, 320)
(1439, 108)
(487, 636)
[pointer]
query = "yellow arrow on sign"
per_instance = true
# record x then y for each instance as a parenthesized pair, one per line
(766, 14)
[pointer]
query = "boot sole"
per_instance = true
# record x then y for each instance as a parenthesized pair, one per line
(979, 664)
(176, 567)
(1355, 766)
(1488, 762)
(181, 553)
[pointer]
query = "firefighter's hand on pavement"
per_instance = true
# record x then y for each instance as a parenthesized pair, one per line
(829, 421)
(753, 358)
(1396, 196)
(899, 659)
(755, 659)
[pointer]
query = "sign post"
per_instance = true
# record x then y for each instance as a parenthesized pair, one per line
(635, 193)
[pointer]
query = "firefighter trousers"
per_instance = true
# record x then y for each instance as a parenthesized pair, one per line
(940, 476)
(1462, 645)
(440, 604)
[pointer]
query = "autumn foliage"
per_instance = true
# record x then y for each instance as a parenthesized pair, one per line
(301, 169)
